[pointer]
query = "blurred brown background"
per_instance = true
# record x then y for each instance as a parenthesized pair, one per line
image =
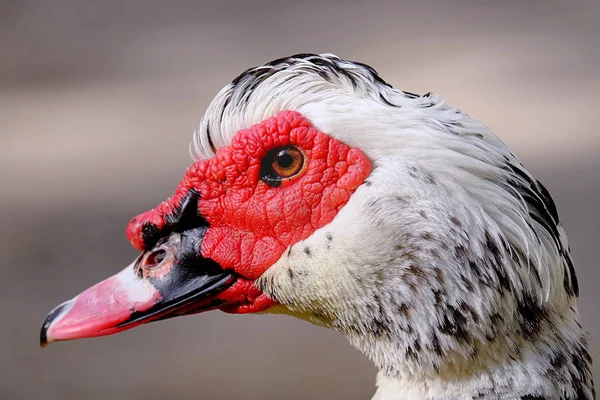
(98, 100)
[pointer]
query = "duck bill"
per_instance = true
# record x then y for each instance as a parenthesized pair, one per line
(137, 295)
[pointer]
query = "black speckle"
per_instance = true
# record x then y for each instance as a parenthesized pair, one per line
(496, 261)
(496, 322)
(467, 282)
(307, 251)
(559, 361)
(460, 252)
(387, 102)
(290, 272)
(427, 236)
(149, 234)
(493, 247)
(455, 221)
(410, 95)
(438, 295)
(469, 310)
(329, 237)
(417, 271)
(533, 316)
(411, 354)
(422, 175)
(439, 276)
(414, 277)
(570, 280)
(581, 374)
(404, 310)
(474, 269)
(435, 343)
(417, 345)
(209, 137)
(455, 324)
(496, 319)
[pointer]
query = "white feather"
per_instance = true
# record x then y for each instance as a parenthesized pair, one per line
(441, 240)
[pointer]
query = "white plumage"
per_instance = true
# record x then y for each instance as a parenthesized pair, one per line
(448, 268)
(417, 234)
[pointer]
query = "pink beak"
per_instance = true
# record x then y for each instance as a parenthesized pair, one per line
(155, 286)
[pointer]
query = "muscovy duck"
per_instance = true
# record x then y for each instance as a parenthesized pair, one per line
(321, 192)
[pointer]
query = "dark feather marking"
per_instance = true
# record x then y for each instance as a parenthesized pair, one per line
(455, 323)
(326, 68)
(519, 257)
(184, 216)
(542, 210)
(496, 261)
(533, 317)
(410, 95)
(386, 101)
(210, 141)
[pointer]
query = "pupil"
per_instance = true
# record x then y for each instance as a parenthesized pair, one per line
(285, 159)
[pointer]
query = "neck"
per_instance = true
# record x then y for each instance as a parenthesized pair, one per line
(550, 371)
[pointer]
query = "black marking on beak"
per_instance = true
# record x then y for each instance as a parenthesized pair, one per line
(54, 314)
(206, 286)
(191, 279)
(184, 216)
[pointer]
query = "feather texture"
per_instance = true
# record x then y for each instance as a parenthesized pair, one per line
(449, 267)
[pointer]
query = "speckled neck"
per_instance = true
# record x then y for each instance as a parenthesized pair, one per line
(543, 374)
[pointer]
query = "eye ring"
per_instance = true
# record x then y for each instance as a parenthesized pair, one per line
(281, 163)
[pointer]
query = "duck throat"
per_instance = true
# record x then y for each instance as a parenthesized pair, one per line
(557, 370)
(525, 379)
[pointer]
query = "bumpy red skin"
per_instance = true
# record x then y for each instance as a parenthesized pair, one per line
(252, 223)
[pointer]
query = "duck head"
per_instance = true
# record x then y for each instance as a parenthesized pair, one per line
(321, 192)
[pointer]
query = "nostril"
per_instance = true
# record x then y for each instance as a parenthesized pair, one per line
(155, 258)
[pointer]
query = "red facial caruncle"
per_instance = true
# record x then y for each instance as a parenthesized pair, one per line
(234, 215)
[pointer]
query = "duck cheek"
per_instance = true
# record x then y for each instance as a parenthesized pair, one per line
(243, 297)
(246, 253)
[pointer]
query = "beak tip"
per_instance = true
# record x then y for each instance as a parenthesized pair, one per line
(44, 331)
(52, 317)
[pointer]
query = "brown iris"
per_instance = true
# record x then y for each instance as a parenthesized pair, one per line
(281, 163)
(287, 162)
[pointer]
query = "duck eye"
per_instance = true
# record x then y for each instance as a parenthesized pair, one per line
(287, 162)
(281, 163)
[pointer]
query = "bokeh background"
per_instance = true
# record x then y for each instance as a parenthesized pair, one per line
(98, 100)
